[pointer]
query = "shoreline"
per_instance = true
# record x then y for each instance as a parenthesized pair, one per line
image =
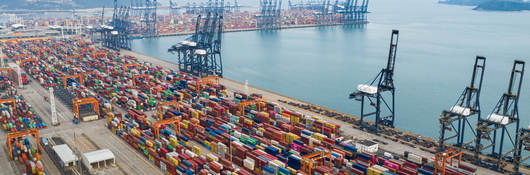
(393, 143)
(354, 117)
(257, 29)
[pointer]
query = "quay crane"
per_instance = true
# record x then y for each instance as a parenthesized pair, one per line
(465, 107)
(375, 92)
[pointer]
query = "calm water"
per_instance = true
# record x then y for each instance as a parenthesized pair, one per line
(436, 51)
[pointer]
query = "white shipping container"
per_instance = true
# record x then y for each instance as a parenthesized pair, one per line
(248, 163)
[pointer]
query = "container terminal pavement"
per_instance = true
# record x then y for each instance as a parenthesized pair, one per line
(158, 121)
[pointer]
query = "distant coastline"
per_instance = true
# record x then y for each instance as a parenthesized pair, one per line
(491, 5)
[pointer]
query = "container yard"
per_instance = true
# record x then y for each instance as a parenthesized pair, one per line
(75, 99)
(177, 123)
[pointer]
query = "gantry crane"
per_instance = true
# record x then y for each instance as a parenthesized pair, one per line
(503, 117)
(9, 71)
(22, 62)
(244, 104)
(465, 107)
(72, 56)
(125, 66)
(135, 77)
(446, 158)
(14, 135)
(523, 140)
(12, 101)
(175, 105)
(100, 54)
(375, 91)
(211, 80)
(20, 56)
(174, 121)
(89, 100)
(72, 76)
(307, 163)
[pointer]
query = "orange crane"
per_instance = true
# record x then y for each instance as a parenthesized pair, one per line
(3, 101)
(242, 105)
(72, 56)
(89, 100)
(100, 54)
(211, 80)
(58, 44)
(443, 158)
(14, 135)
(72, 76)
(28, 60)
(125, 66)
(17, 57)
(9, 71)
(174, 121)
(175, 104)
(83, 44)
(135, 77)
(307, 163)
(86, 51)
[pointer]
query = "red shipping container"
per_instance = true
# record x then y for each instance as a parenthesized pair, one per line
(216, 168)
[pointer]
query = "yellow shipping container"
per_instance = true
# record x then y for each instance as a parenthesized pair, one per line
(207, 143)
(293, 171)
(184, 125)
(149, 143)
(373, 171)
(279, 149)
(329, 125)
(214, 147)
(173, 142)
(174, 161)
(140, 146)
(135, 132)
(261, 130)
(319, 136)
(249, 122)
(295, 119)
(194, 114)
(197, 150)
(210, 158)
(260, 147)
(151, 158)
(289, 137)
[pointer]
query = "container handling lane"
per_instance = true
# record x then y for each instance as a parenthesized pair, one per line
(347, 128)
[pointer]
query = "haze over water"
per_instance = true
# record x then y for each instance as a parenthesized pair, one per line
(436, 51)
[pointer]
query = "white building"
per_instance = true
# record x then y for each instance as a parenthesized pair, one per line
(367, 146)
(98, 159)
(65, 154)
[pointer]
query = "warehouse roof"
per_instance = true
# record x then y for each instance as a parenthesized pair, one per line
(98, 155)
(65, 153)
(367, 142)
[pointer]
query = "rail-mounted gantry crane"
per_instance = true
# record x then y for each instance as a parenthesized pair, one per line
(14, 135)
(522, 141)
(502, 118)
(65, 84)
(446, 158)
(136, 77)
(244, 104)
(318, 158)
(377, 89)
(82, 101)
(174, 104)
(466, 106)
(127, 66)
(211, 80)
(174, 121)
(12, 101)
